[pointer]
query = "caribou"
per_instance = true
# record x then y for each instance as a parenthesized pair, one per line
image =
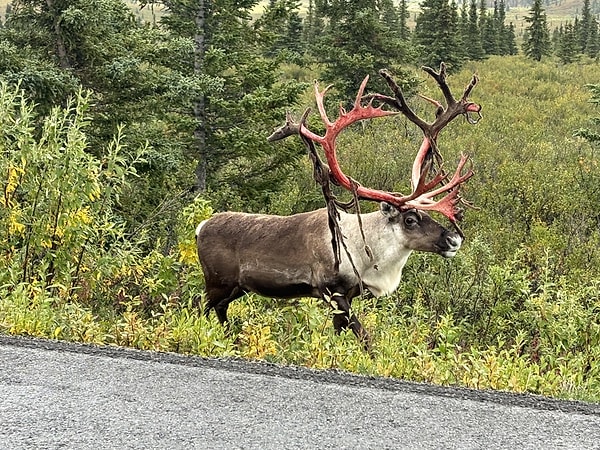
(329, 253)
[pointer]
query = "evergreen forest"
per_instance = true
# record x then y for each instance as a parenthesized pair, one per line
(126, 123)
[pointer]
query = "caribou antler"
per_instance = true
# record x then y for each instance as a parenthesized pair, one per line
(423, 190)
(422, 196)
(333, 129)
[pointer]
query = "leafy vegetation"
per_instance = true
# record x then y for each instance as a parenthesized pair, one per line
(517, 309)
(101, 145)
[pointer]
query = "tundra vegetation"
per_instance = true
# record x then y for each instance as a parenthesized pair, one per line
(97, 237)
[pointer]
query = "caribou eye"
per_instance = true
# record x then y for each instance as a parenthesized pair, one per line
(411, 221)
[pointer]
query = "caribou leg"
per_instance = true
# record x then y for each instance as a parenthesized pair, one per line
(219, 300)
(344, 318)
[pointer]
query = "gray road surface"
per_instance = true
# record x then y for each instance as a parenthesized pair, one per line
(57, 395)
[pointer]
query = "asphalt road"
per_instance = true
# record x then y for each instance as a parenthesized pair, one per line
(58, 395)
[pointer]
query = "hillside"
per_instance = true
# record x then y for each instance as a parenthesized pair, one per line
(516, 309)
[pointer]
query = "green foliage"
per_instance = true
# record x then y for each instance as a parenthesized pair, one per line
(470, 32)
(436, 34)
(281, 28)
(189, 218)
(587, 31)
(591, 134)
(44, 83)
(68, 268)
(226, 127)
(57, 199)
(516, 309)
(150, 80)
(62, 233)
(574, 40)
(169, 327)
(54, 49)
(566, 46)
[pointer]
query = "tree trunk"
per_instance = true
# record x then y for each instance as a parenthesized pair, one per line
(200, 104)
(61, 49)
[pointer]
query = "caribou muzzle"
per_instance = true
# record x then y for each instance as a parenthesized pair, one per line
(449, 244)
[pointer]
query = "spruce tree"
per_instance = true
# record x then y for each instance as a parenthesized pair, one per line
(502, 29)
(389, 16)
(313, 24)
(436, 34)
(403, 16)
(280, 27)
(29, 56)
(133, 75)
(512, 40)
(567, 45)
(556, 35)
(592, 48)
(584, 30)
(489, 35)
(537, 41)
(483, 13)
(463, 19)
(455, 37)
(229, 126)
(474, 47)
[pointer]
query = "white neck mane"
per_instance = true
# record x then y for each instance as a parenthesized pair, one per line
(382, 274)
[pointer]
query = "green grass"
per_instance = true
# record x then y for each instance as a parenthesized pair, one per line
(410, 342)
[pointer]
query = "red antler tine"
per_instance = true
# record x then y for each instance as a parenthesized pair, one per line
(332, 129)
(444, 115)
(417, 168)
(447, 204)
(360, 92)
(457, 178)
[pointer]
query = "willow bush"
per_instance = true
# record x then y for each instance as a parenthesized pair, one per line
(62, 238)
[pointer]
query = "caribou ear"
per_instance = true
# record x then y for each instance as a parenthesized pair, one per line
(388, 210)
